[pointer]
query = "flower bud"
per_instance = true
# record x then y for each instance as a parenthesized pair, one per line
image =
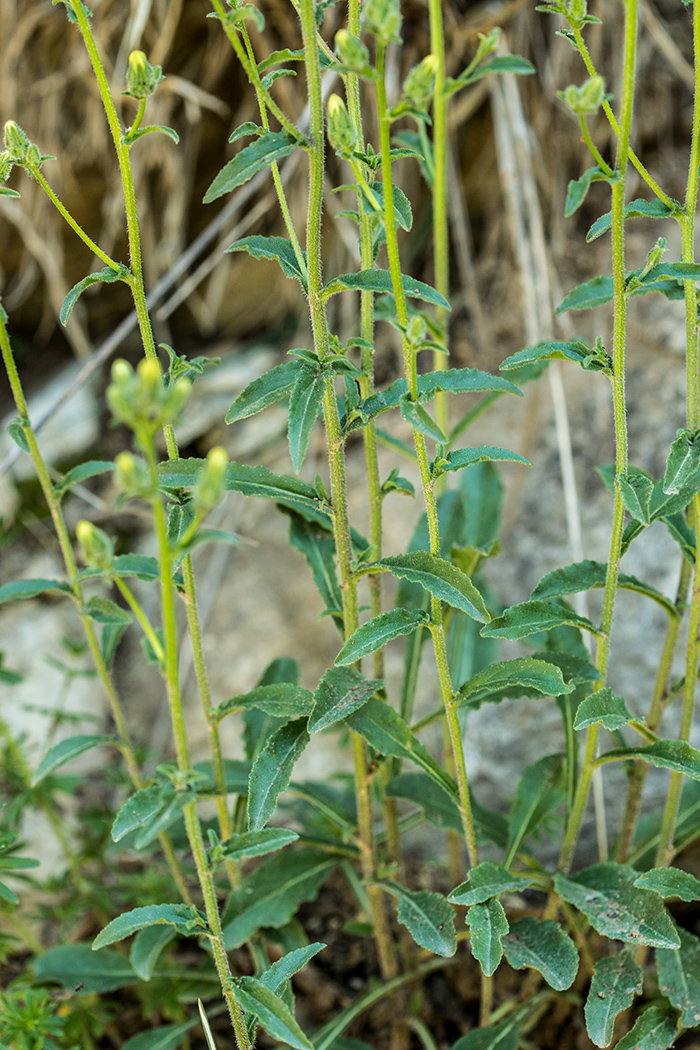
(176, 397)
(383, 19)
(33, 157)
(488, 42)
(141, 77)
(578, 9)
(210, 487)
(131, 475)
(416, 331)
(16, 142)
(141, 400)
(96, 548)
(586, 99)
(351, 51)
(420, 82)
(341, 130)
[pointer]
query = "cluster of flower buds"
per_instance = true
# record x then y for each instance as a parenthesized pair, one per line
(585, 99)
(141, 77)
(96, 548)
(141, 400)
(383, 19)
(341, 130)
(19, 150)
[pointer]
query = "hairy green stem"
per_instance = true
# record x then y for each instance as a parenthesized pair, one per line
(74, 225)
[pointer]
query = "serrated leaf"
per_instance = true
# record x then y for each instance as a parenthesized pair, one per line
(670, 882)
(586, 575)
(275, 384)
(257, 843)
(420, 419)
(185, 919)
(524, 676)
(107, 275)
(148, 944)
(450, 380)
(679, 977)
(540, 790)
(439, 577)
(271, 146)
(467, 457)
(403, 213)
(543, 945)
(573, 350)
(68, 749)
(683, 462)
(488, 924)
(278, 248)
(485, 881)
(586, 296)
(165, 1037)
(603, 706)
(271, 894)
(666, 754)
(279, 699)
(272, 1012)
(531, 617)
(272, 770)
(304, 404)
(18, 590)
(656, 1029)
(428, 917)
(654, 209)
(617, 980)
(73, 965)
(615, 907)
(103, 610)
(636, 490)
(338, 694)
(378, 631)
(380, 281)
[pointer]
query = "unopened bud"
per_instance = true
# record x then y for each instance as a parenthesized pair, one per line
(341, 130)
(16, 142)
(96, 548)
(176, 397)
(131, 475)
(141, 77)
(210, 487)
(488, 42)
(383, 19)
(33, 157)
(351, 51)
(585, 99)
(416, 331)
(420, 82)
(578, 9)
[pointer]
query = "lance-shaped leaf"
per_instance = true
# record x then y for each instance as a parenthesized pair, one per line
(273, 145)
(636, 490)
(666, 754)
(586, 296)
(164, 1037)
(77, 965)
(378, 631)
(679, 977)
(683, 462)
(91, 469)
(466, 457)
(440, 808)
(278, 248)
(103, 610)
(440, 577)
(540, 790)
(257, 843)
(318, 547)
(427, 915)
(587, 575)
(272, 770)
(451, 380)
(288, 965)
(670, 882)
(519, 621)
(271, 894)
(608, 897)
(574, 350)
(487, 924)
(656, 1029)
(275, 384)
(304, 405)
(578, 188)
(68, 749)
(186, 920)
(280, 699)
(603, 706)
(272, 1012)
(543, 945)
(524, 676)
(421, 420)
(654, 209)
(148, 944)
(617, 980)
(485, 881)
(380, 281)
(107, 275)
(152, 807)
(18, 590)
(339, 693)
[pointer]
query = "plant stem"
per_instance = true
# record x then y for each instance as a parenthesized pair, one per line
(74, 225)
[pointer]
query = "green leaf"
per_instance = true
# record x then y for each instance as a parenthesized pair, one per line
(667, 754)
(428, 916)
(503, 1036)
(670, 882)
(421, 420)
(148, 944)
(617, 980)
(17, 430)
(257, 843)
(339, 693)
(586, 296)
(271, 146)
(451, 380)
(272, 1012)
(378, 631)
(440, 807)
(439, 577)
(615, 907)
(656, 1029)
(272, 770)
(603, 706)
(162, 128)
(271, 894)
(277, 57)
(288, 965)
(578, 188)
(540, 790)
(185, 919)
(586, 575)
(683, 462)
(275, 384)
(73, 965)
(636, 490)
(679, 977)
(499, 64)
(543, 945)
(165, 1037)
(524, 676)
(488, 924)
(318, 547)
(654, 209)
(575, 350)
(68, 749)
(280, 699)
(485, 881)
(280, 249)
(304, 405)
(139, 810)
(108, 275)
(18, 590)
(103, 610)
(380, 281)
(403, 213)
(531, 617)
(466, 457)
(91, 469)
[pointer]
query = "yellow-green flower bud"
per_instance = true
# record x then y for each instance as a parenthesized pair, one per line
(578, 9)
(33, 160)
(96, 548)
(488, 42)
(176, 397)
(383, 19)
(210, 487)
(416, 331)
(16, 142)
(585, 99)
(141, 77)
(341, 130)
(420, 82)
(351, 51)
(141, 400)
(131, 475)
